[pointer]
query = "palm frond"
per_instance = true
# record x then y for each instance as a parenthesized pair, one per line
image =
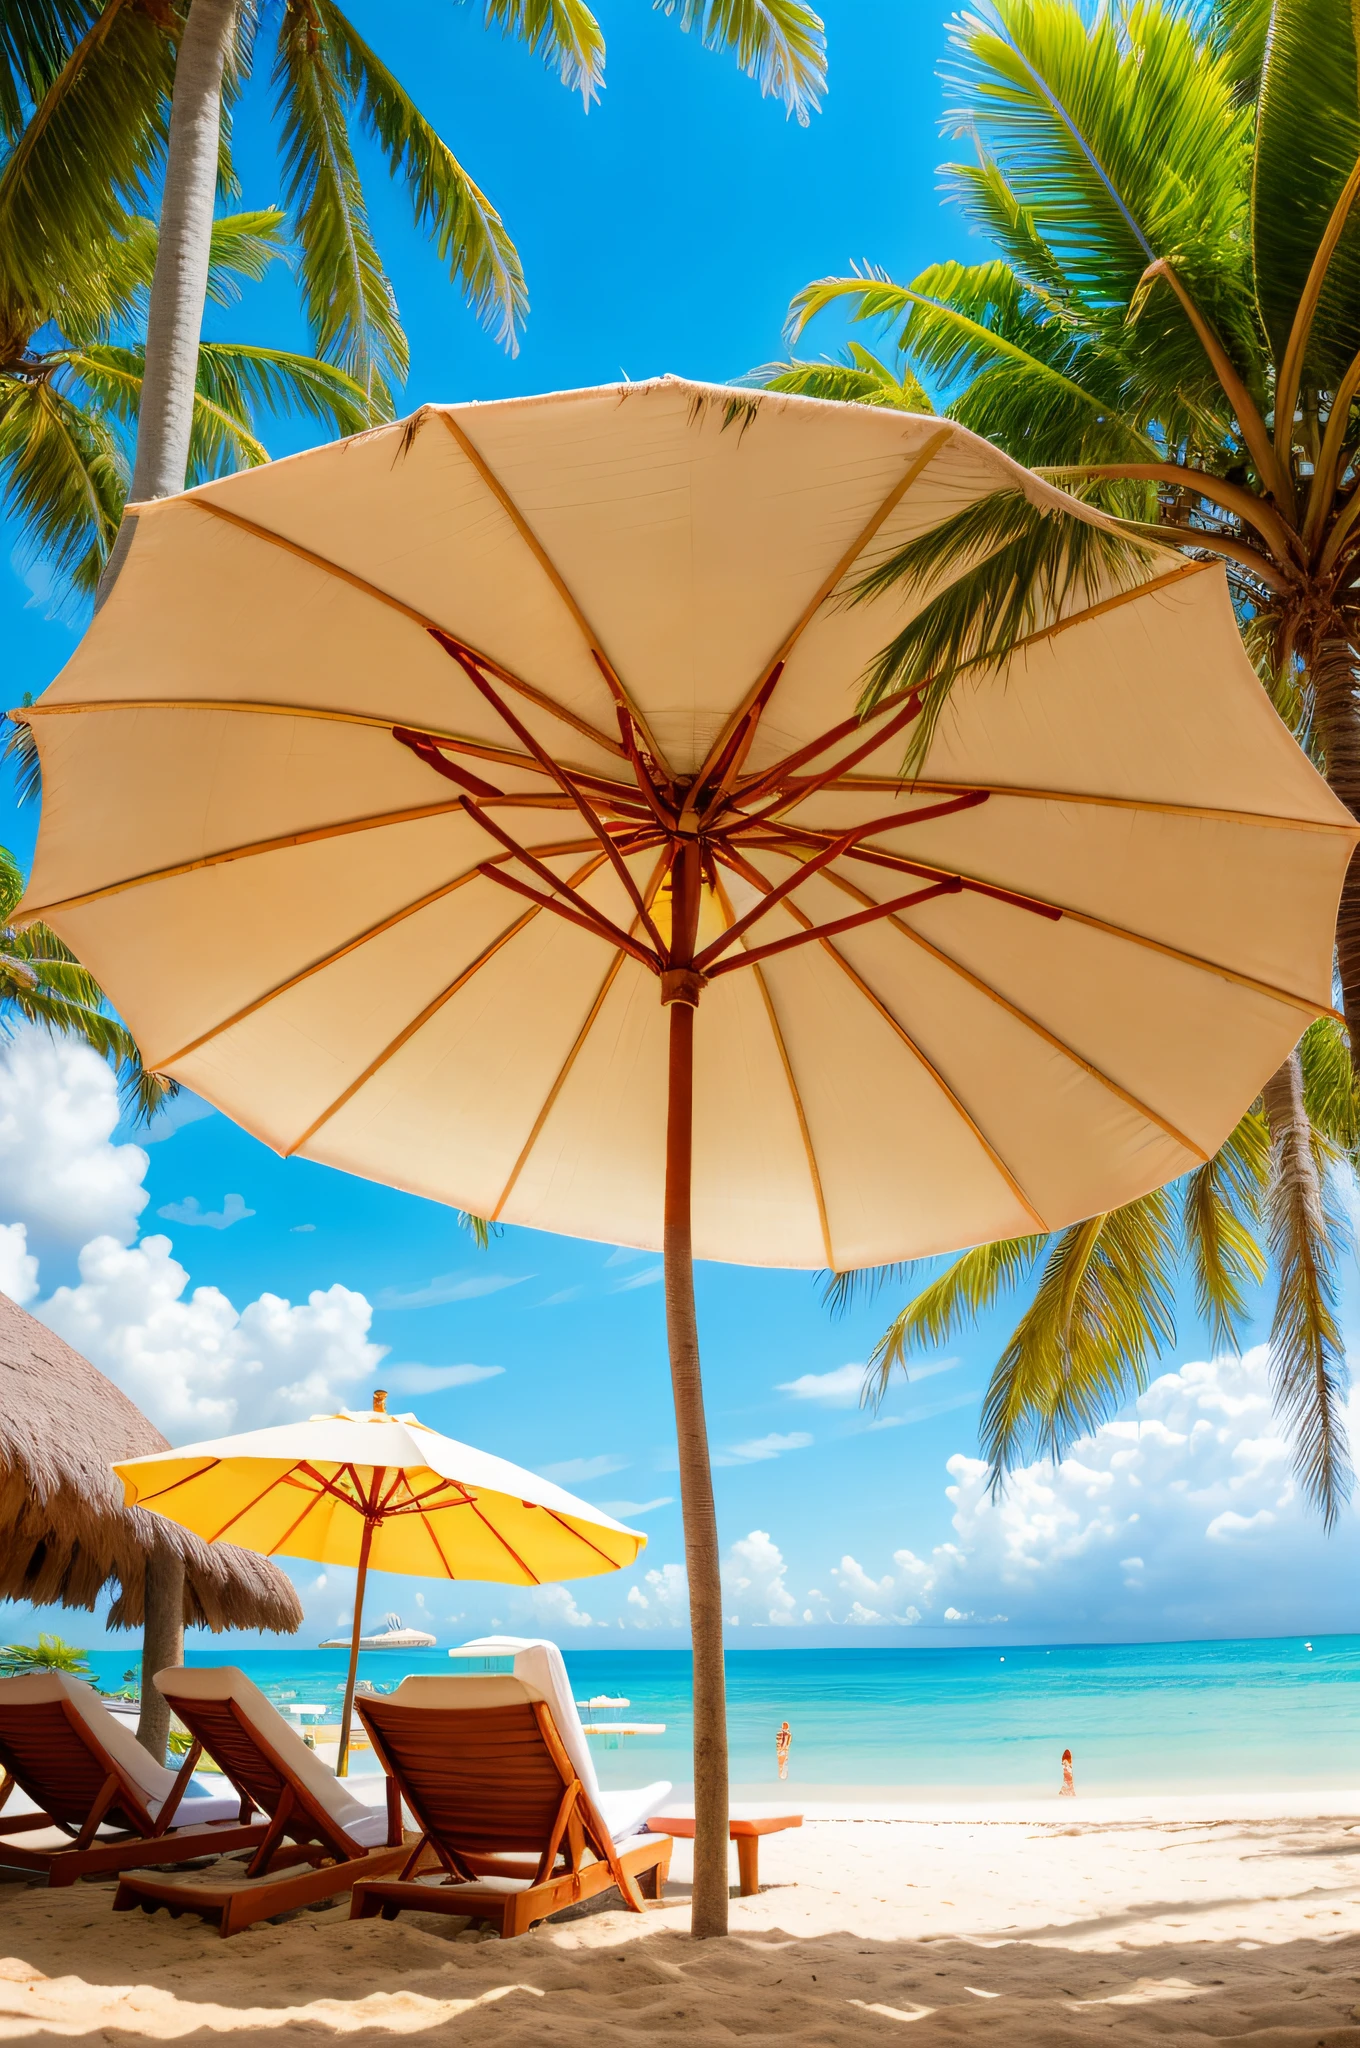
(1308, 1232)
(468, 233)
(563, 32)
(779, 43)
(20, 749)
(349, 303)
(1221, 1204)
(859, 378)
(1331, 1094)
(1104, 1307)
(65, 478)
(1023, 567)
(36, 38)
(968, 1286)
(83, 158)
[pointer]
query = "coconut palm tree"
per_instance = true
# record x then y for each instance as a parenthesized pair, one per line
(71, 367)
(96, 96)
(1171, 328)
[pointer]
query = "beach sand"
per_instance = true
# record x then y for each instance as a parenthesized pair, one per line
(1055, 1925)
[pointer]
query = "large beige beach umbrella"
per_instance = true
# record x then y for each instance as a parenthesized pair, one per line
(379, 1492)
(479, 805)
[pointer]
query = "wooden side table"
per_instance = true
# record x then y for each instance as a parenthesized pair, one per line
(745, 1829)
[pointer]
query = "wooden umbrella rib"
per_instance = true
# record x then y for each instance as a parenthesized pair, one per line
(428, 1526)
(563, 1523)
(555, 577)
(396, 604)
(431, 1009)
(752, 874)
(250, 851)
(1023, 1017)
(186, 1480)
(997, 892)
(649, 896)
(918, 463)
(314, 1501)
(814, 1172)
(282, 988)
(876, 785)
(506, 1546)
(232, 1520)
(974, 1126)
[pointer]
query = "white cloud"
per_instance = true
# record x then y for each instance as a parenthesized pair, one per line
(195, 1364)
(665, 1603)
(755, 1588)
(184, 1108)
(838, 1389)
(623, 1255)
(762, 1447)
(584, 1468)
(233, 1210)
(299, 1228)
(60, 1174)
(649, 1278)
(18, 1267)
(432, 1379)
(622, 1509)
(448, 1287)
(556, 1608)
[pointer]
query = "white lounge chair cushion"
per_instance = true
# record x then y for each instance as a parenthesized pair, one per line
(152, 1780)
(226, 1682)
(624, 1813)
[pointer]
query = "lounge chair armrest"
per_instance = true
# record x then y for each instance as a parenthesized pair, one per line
(396, 1833)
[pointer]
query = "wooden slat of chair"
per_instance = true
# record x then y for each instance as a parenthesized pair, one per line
(51, 1752)
(299, 1829)
(491, 1787)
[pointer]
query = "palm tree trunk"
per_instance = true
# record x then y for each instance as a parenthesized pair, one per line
(179, 287)
(1338, 717)
(162, 1644)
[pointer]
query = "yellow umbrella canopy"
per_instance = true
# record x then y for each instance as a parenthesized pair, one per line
(381, 1492)
(480, 806)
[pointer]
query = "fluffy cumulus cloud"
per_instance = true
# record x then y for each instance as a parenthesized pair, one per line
(1183, 1519)
(61, 1174)
(195, 1363)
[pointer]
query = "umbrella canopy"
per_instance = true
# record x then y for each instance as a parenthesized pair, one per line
(65, 1531)
(322, 756)
(437, 1509)
(381, 1492)
(396, 782)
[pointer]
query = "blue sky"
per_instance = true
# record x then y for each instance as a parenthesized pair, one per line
(666, 230)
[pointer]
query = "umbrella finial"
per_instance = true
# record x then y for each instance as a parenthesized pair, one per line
(380, 1401)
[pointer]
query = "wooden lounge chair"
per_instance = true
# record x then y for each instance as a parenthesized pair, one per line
(80, 1797)
(321, 1836)
(513, 1825)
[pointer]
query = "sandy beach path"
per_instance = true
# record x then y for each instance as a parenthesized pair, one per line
(1011, 1932)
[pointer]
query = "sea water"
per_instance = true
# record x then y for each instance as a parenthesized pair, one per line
(937, 1724)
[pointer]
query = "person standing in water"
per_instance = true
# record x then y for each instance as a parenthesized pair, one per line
(1069, 1790)
(781, 1749)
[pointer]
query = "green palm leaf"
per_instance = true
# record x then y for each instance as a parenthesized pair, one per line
(467, 232)
(564, 33)
(65, 477)
(1221, 1212)
(780, 43)
(859, 378)
(958, 1296)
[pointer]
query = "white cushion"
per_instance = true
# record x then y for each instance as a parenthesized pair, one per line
(540, 1668)
(152, 1780)
(226, 1682)
(623, 1813)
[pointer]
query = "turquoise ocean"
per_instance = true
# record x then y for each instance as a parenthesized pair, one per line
(939, 1724)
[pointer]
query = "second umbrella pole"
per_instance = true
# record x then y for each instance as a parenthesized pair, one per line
(365, 1545)
(680, 988)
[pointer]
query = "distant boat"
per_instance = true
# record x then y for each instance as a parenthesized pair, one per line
(393, 1636)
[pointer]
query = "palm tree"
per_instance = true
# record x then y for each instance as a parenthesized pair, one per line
(1171, 328)
(71, 367)
(94, 98)
(42, 982)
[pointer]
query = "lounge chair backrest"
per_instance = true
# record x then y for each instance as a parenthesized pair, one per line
(481, 1777)
(250, 1740)
(61, 1745)
(539, 1666)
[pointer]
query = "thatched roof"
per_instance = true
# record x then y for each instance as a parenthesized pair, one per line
(64, 1531)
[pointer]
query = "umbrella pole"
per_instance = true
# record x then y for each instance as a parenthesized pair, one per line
(365, 1545)
(709, 1907)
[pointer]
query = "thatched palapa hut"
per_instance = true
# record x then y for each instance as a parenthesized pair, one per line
(65, 1534)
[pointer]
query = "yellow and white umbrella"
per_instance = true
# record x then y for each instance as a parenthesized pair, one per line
(384, 1492)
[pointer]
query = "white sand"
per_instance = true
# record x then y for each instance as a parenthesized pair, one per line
(1067, 1924)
